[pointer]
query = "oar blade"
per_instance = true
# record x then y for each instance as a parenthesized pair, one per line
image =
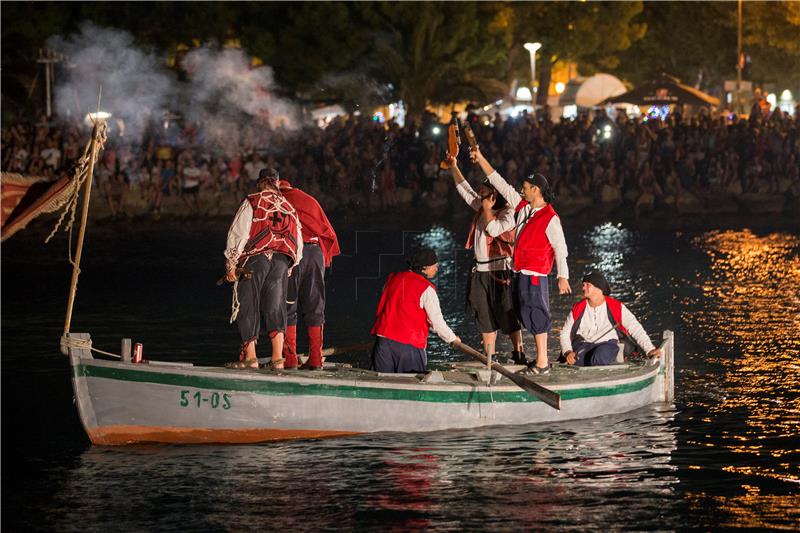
(551, 398)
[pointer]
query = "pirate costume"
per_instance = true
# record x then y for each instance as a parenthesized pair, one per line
(489, 290)
(306, 296)
(264, 238)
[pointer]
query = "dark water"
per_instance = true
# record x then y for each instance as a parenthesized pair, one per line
(726, 455)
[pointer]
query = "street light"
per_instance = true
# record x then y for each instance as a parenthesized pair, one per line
(532, 48)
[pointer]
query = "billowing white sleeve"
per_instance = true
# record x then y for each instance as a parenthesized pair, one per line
(503, 221)
(636, 330)
(430, 302)
(566, 341)
(469, 195)
(238, 233)
(555, 234)
(505, 189)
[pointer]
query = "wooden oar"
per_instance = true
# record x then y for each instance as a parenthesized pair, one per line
(551, 398)
(327, 352)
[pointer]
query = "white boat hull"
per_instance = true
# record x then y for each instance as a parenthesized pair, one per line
(122, 403)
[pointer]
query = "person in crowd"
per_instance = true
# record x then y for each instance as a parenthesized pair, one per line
(265, 239)
(408, 306)
(597, 323)
(491, 236)
(306, 296)
(539, 241)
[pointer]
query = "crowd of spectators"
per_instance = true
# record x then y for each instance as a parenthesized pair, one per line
(355, 162)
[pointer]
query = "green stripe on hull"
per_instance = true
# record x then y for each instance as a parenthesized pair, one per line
(288, 388)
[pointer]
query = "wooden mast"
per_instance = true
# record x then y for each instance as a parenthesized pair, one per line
(76, 270)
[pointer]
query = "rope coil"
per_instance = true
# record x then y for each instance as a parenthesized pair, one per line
(86, 344)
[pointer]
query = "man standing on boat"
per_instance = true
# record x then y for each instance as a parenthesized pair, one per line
(491, 236)
(539, 240)
(407, 308)
(307, 284)
(266, 240)
(597, 323)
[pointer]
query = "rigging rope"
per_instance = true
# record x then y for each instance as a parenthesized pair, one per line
(80, 175)
(74, 342)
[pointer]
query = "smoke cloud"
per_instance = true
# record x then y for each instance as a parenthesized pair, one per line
(134, 85)
(223, 91)
(226, 93)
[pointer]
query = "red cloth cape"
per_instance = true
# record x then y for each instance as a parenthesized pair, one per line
(313, 219)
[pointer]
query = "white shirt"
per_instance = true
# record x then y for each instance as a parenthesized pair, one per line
(554, 231)
(596, 327)
(430, 302)
(504, 221)
(239, 234)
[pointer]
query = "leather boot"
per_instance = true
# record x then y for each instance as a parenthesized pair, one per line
(290, 347)
(314, 349)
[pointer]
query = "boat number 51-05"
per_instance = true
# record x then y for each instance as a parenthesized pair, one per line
(197, 399)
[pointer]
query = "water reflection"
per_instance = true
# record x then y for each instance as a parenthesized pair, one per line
(751, 401)
(754, 317)
(563, 475)
(609, 243)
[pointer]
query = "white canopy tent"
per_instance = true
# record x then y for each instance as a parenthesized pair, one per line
(588, 92)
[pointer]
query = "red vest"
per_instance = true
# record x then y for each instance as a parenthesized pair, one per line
(399, 315)
(500, 246)
(532, 250)
(274, 227)
(614, 307)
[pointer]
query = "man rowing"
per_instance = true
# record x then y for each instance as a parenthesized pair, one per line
(539, 241)
(306, 296)
(407, 308)
(491, 236)
(264, 238)
(597, 323)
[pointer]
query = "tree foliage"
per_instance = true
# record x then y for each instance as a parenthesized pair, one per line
(589, 33)
(701, 47)
(432, 52)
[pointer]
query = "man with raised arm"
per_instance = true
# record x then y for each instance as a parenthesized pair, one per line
(408, 307)
(539, 241)
(597, 323)
(491, 236)
(265, 239)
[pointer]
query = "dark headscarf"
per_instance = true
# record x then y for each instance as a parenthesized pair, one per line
(421, 258)
(268, 173)
(598, 280)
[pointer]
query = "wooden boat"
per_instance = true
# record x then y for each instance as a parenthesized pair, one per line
(123, 403)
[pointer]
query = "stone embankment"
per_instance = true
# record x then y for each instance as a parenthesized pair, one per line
(610, 201)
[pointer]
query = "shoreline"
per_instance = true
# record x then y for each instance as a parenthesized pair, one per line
(217, 213)
(445, 201)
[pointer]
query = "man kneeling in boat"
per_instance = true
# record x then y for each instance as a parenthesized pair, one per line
(604, 320)
(265, 238)
(407, 306)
